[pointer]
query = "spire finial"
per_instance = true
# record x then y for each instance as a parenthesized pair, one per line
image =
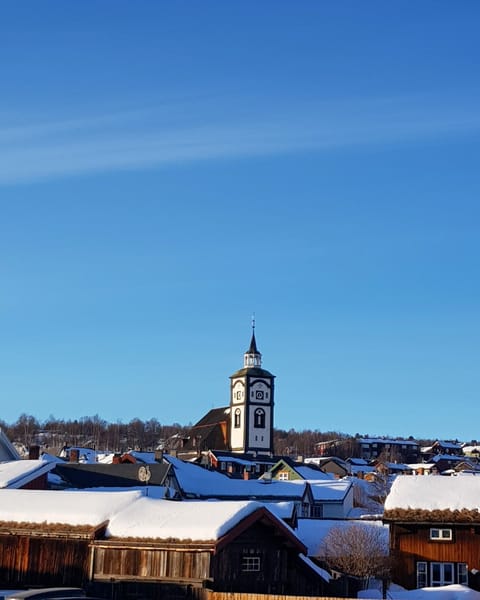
(252, 357)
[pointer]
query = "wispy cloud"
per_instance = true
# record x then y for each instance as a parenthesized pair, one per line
(181, 132)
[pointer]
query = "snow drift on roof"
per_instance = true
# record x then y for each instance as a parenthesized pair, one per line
(16, 473)
(68, 507)
(189, 520)
(434, 493)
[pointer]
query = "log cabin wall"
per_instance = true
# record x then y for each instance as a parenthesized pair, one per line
(45, 562)
(410, 543)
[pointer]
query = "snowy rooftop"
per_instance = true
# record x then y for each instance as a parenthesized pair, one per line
(387, 441)
(197, 481)
(313, 474)
(17, 473)
(330, 490)
(434, 493)
(69, 507)
(129, 513)
(198, 520)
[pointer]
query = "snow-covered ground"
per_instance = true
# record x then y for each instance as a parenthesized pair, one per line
(448, 592)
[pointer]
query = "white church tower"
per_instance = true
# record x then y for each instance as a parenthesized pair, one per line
(251, 404)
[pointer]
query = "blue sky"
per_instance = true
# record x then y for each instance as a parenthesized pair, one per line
(169, 168)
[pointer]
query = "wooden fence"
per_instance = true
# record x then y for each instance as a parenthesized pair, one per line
(209, 595)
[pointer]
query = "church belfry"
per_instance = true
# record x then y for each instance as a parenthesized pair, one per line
(251, 404)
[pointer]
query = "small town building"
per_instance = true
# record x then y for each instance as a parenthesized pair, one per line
(434, 530)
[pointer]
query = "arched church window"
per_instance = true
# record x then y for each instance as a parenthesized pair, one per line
(259, 418)
(236, 420)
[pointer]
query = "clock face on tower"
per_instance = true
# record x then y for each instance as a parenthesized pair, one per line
(259, 395)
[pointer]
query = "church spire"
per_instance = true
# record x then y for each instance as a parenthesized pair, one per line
(252, 357)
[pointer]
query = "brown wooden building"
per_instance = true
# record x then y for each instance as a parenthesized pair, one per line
(434, 553)
(434, 531)
(256, 553)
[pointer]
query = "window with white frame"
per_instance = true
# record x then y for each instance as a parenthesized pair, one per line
(441, 574)
(421, 574)
(441, 535)
(250, 563)
(283, 476)
(462, 572)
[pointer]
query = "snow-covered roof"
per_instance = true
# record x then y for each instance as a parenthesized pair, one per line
(235, 460)
(450, 445)
(312, 532)
(85, 455)
(449, 457)
(471, 450)
(195, 481)
(424, 466)
(434, 493)
(318, 570)
(313, 474)
(283, 510)
(330, 491)
(7, 449)
(361, 469)
(387, 441)
(68, 507)
(17, 473)
(189, 520)
(357, 461)
(128, 513)
(393, 466)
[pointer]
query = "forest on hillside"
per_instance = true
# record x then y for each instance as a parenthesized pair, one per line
(95, 432)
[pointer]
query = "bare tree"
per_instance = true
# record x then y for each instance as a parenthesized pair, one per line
(358, 551)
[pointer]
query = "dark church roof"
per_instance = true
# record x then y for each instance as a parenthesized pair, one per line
(253, 346)
(253, 372)
(210, 432)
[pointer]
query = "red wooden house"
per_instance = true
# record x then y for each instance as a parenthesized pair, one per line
(434, 530)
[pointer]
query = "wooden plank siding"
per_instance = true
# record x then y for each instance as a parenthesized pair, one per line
(38, 561)
(281, 571)
(410, 543)
(59, 555)
(175, 563)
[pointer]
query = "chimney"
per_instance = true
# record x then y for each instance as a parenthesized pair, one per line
(34, 452)
(74, 455)
(246, 475)
(159, 455)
